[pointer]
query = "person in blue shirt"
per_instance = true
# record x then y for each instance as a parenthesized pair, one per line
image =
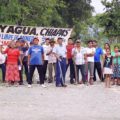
(97, 61)
(35, 60)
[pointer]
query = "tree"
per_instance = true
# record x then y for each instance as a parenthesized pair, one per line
(55, 13)
(110, 19)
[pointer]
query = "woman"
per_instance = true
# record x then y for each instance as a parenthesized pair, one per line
(116, 65)
(12, 72)
(106, 46)
(108, 68)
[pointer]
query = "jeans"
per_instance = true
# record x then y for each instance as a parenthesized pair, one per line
(82, 69)
(60, 72)
(50, 70)
(72, 71)
(25, 66)
(45, 68)
(3, 68)
(40, 72)
(97, 66)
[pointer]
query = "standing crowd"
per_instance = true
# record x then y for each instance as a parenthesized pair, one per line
(56, 57)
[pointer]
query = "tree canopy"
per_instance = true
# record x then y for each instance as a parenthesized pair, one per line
(110, 20)
(54, 13)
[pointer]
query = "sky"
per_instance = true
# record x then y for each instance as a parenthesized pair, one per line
(99, 8)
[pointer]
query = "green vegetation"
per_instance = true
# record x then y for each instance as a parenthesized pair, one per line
(55, 13)
(76, 14)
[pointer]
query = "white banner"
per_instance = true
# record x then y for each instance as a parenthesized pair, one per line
(12, 32)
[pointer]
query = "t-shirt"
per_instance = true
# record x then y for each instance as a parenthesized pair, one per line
(24, 53)
(2, 58)
(116, 60)
(79, 56)
(12, 55)
(60, 50)
(69, 51)
(36, 53)
(108, 61)
(98, 53)
(51, 56)
(90, 51)
(46, 49)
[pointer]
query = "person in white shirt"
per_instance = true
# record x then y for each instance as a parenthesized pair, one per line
(79, 57)
(2, 63)
(90, 51)
(51, 61)
(46, 49)
(60, 53)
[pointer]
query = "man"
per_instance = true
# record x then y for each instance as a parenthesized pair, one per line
(97, 62)
(69, 48)
(18, 45)
(35, 60)
(23, 46)
(24, 55)
(51, 62)
(46, 49)
(90, 51)
(60, 53)
(79, 55)
(2, 63)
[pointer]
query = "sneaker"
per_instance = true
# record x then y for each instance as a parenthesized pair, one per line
(44, 86)
(29, 86)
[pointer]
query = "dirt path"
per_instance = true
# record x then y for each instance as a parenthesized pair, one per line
(72, 103)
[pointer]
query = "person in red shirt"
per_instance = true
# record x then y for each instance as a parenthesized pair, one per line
(12, 72)
(69, 48)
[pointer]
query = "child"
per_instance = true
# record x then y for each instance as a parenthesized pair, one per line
(108, 68)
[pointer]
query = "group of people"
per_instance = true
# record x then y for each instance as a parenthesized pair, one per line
(55, 57)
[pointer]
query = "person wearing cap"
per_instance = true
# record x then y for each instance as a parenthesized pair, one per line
(60, 53)
(70, 63)
(46, 49)
(2, 62)
(90, 52)
(79, 56)
(51, 62)
(35, 60)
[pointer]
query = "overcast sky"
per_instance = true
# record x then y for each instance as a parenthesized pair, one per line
(98, 6)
